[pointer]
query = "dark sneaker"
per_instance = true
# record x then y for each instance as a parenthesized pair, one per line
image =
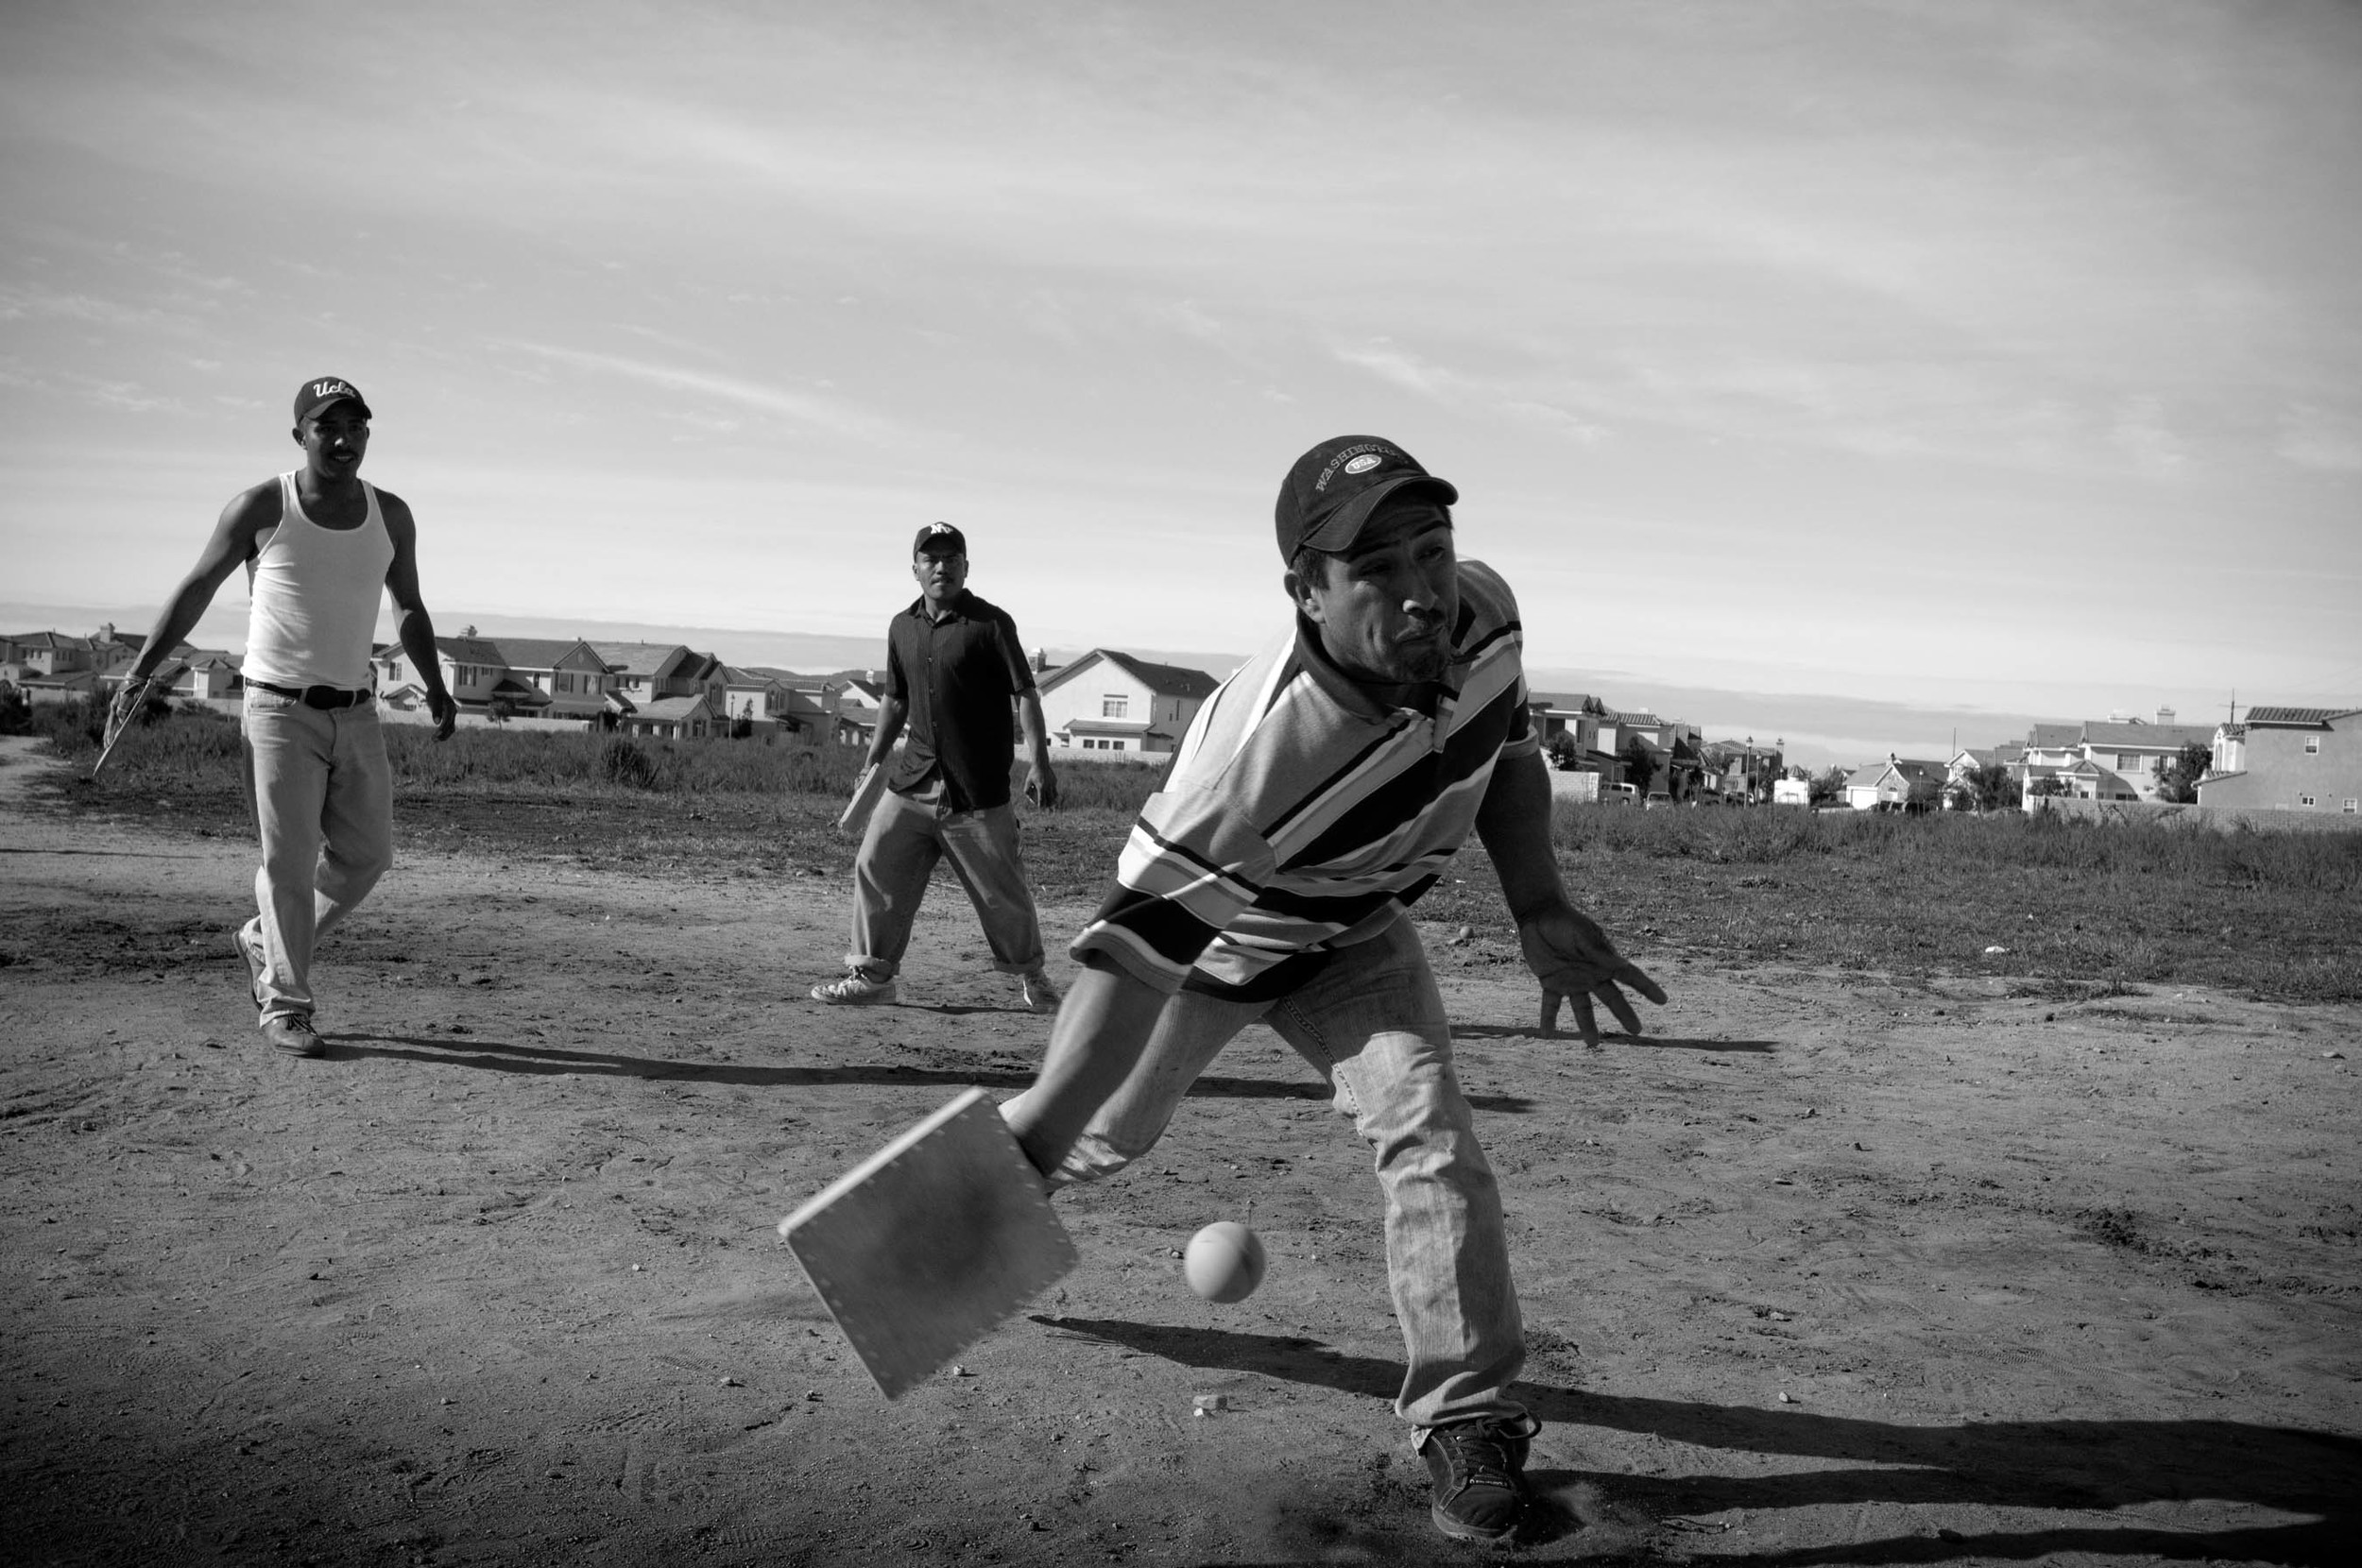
(1480, 1472)
(293, 1033)
(251, 950)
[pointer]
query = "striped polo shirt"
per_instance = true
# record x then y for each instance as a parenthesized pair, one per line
(1307, 811)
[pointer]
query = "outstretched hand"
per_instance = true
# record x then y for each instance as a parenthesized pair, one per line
(1575, 962)
(124, 708)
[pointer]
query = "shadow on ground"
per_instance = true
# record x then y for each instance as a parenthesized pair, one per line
(2080, 1465)
(503, 1056)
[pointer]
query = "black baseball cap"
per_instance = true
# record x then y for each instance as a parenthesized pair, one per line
(1333, 489)
(321, 391)
(939, 539)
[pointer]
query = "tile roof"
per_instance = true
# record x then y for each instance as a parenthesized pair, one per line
(537, 653)
(2155, 737)
(639, 657)
(1165, 680)
(1170, 680)
(2054, 737)
(2307, 717)
(676, 708)
(471, 650)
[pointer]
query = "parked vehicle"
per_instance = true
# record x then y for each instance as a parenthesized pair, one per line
(1618, 795)
(1657, 798)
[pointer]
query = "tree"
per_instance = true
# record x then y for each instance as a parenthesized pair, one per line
(2177, 781)
(1562, 751)
(1640, 763)
(1829, 789)
(2047, 785)
(1922, 795)
(1987, 787)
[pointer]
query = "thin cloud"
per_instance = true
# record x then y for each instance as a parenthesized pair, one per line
(834, 417)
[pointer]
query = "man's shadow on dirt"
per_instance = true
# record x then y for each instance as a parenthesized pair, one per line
(554, 1061)
(1613, 1037)
(2077, 1465)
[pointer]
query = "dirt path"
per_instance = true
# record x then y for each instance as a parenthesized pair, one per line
(1834, 1270)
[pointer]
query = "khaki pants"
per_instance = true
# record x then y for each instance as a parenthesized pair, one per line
(906, 838)
(324, 802)
(1372, 1024)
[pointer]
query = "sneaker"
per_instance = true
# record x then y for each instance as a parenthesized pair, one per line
(1038, 994)
(293, 1033)
(1480, 1472)
(251, 949)
(853, 989)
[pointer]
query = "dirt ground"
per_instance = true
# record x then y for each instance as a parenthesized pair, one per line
(1837, 1267)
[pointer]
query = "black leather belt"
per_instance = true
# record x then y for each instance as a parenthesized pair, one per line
(326, 697)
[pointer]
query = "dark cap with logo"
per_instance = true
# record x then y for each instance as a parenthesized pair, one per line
(939, 539)
(321, 391)
(1333, 489)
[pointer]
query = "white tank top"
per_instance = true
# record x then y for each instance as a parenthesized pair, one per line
(315, 594)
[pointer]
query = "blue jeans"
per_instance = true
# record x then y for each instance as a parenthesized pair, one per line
(898, 852)
(1372, 1025)
(323, 798)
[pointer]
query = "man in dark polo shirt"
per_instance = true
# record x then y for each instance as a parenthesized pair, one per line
(954, 667)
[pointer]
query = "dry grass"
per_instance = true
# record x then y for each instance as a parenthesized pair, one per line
(2072, 904)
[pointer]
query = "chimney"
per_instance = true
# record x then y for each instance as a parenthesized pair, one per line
(2165, 715)
(1041, 661)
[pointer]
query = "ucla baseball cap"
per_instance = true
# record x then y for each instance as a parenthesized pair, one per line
(321, 391)
(1333, 489)
(939, 539)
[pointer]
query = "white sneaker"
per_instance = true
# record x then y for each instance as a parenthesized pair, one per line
(1039, 994)
(853, 989)
(251, 949)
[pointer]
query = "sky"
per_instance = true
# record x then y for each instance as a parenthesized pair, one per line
(1888, 370)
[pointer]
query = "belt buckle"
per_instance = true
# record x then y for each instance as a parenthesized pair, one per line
(323, 697)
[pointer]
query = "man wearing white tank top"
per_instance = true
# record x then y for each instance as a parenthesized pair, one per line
(318, 545)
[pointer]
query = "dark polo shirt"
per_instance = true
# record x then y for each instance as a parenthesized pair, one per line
(959, 676)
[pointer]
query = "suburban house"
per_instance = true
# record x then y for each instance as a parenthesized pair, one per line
(205, 674)
(560, 678)
(754, 697)
(2053, 746)
(2289, 759)
(640, 672)
(1887, 785)
(2136, 751)
(49, 667)
(2088, 779)
(1740, 770)
(2106, 760)
(2009, 755)
(858, 701)
(676, 718)
(474, 668)
(1574, 714)
(1108, 704)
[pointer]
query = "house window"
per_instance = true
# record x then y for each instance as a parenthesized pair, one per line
(2126, 761)
(1115, 746)
(2351, 805)
(1115, 705)
(2305, 800)
(2312, 745)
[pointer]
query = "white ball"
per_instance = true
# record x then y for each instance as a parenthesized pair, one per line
(1225, 1262)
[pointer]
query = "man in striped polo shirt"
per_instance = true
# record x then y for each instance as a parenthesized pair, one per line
(1320, 791)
